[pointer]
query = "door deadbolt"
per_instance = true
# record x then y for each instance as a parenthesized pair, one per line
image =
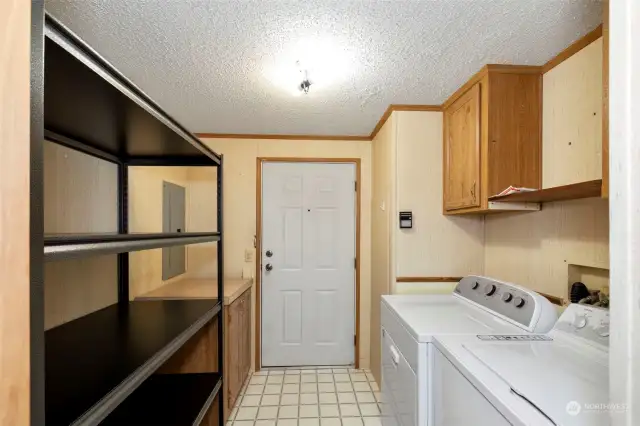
(269, 253)
(268, 267)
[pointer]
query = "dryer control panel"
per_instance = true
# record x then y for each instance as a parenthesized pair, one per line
(525, 307)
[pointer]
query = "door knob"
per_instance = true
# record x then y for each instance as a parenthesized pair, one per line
(268, 267)
(269, 253)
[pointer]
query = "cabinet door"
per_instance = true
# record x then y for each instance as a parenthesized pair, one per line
(233, 337)
(462, 151)
(245, 348)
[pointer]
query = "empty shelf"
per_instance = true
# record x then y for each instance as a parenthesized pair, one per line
(70, 246)
(168, 399)
(573, 191)
(93, 363)
(90, 103)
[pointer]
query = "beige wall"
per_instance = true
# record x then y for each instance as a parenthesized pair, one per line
(407, 175)
(437, 245)
(383, 209)
(538, 249)
(240, 205)
(80, 195)
(572, 119)
(145, 215)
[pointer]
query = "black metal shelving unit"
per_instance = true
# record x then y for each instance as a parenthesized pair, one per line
(99, 368)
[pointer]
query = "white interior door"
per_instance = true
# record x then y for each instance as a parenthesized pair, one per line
(308, 264)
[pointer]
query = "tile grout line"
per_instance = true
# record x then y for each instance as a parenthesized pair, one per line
(299, 372)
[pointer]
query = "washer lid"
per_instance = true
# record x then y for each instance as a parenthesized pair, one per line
(427, 315)
(567, 386)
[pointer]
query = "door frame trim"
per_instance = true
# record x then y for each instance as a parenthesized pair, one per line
(258, 320)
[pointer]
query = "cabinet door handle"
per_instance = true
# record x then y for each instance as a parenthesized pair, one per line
(473, 190)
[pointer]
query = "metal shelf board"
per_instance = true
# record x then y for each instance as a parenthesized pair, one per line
(90, 102)
(71, 246)
(95, 362)
(168, 399)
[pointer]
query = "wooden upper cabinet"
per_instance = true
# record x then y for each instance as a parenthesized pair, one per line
(492, 137)
(462, 151)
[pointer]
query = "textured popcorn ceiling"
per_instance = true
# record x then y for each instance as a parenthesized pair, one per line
(212, 64)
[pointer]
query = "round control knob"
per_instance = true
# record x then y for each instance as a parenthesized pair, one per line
(475, 285)
(506, 297)
(580, 321)
(603, 329)
(489, 289)
(519, 302)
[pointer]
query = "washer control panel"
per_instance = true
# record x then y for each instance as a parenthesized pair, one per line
(504, 298)
(586, 321)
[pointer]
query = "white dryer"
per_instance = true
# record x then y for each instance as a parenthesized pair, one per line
(561, 378)
(478, 305)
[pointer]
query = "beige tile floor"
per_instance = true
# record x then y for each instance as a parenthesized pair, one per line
(308, 397)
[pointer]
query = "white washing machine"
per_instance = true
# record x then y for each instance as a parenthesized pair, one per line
(561, 378)
(478, 305)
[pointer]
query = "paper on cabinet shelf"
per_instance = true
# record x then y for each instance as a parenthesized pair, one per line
(514, 189)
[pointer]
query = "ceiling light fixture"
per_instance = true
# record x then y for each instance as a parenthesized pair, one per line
(320, 63)
(305, 85)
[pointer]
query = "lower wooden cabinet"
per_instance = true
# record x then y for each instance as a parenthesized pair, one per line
(237, 349)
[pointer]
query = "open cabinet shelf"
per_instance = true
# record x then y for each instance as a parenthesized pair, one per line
(168, 399)
(71, 246)
(574, 191)
(94, 362)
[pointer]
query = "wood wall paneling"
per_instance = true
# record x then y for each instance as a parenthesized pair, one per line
(80, 196)
(283, 137)
(145, 215)
(240, 207)
(605, 98)
(573, 48)
(68, 294)
(80, 192)
(383, 177)
(428, 279)
(536, 249)
(202, 217)
(437, 246)
(572, 119)
(398, 107)
(15, 286)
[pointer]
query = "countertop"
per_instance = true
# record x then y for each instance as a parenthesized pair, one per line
(199, 288)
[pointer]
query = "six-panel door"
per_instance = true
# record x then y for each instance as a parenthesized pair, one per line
(462, 151)
(308, 264)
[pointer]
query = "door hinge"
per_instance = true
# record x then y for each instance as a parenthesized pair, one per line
(355, 263)
(356, 186)
(355, 340)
